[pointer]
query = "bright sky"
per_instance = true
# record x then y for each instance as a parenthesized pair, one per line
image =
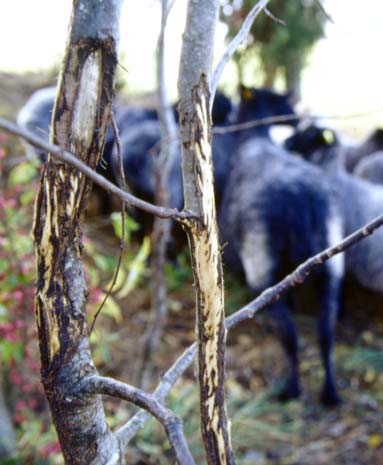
(345, 72)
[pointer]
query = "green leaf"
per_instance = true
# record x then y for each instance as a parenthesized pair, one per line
(22, 174)
(3, 311)
(136, 269)
(130, 225)
(111, 308)
(10, 350)
(27, 197)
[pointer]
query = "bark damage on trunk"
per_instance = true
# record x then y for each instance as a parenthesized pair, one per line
(207, 269)
(79, 123)
(197, 173)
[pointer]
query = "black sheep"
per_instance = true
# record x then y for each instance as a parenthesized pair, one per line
(276, 212)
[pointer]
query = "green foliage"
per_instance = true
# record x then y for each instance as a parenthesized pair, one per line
(133, 267)
(176, 276)
(130, 226)
(278, 45)
(135, 270)
(23, 174)
(19, 358)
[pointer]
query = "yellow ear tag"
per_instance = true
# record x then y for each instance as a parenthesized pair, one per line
(247, 94)
(328, 136)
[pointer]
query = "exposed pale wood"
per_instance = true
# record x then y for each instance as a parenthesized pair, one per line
(79, 122)
(197, 170)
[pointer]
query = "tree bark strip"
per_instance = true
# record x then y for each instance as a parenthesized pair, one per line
(195, 129)
(79, 123)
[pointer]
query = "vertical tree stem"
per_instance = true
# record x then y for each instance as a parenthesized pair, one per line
(79, 124)
(195, 130)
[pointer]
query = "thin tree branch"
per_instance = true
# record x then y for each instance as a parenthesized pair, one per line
(270, 295)
(274, 18)
(299, 275)
(171, 422)
(67, 157)
(258, 122)
(288, 118)
(128, 431)
(234, 44)
(323, 10)
(168, 10)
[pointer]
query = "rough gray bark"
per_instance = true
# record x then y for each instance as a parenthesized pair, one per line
(79, 122)
(195, 133)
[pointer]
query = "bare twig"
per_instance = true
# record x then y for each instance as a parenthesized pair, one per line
(169, 7)
(270, 295)
(274, 18)
(234, 44)
(281, 119)
(323, 10)
(128, 431)
(288, 118)
(171, 422)
(255, 123)
(67, 157)
(122, 241)
(299, 275)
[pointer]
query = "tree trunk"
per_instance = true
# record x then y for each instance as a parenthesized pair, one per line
(239, 68)
(79, 122)
(270, 71)
(292, 73)
(161, 228)
(195, 130)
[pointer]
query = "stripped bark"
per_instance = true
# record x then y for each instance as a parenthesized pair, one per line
(67, 157)
(195, 132)
(267, 297)
(79, 122)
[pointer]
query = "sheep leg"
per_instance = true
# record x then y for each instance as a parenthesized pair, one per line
(327, 320)
(261, 268)
(288, 337)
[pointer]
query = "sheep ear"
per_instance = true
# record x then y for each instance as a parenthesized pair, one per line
(246, 93)
(328, 136)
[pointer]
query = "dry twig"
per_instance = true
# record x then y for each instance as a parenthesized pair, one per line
(270, 295)
(67, 157)
(232, 47)
(122, 241)
(171, 422)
